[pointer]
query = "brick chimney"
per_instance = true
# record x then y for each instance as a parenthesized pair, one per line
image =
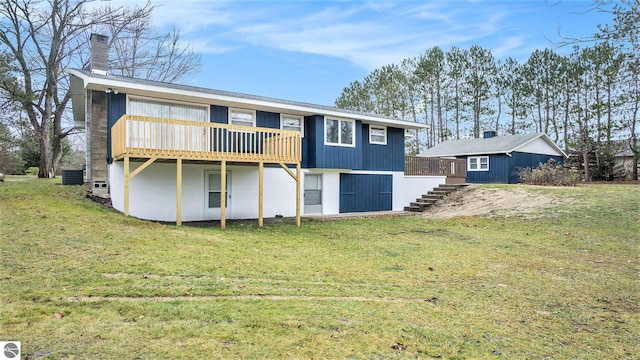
(489, 134)
(99, 54)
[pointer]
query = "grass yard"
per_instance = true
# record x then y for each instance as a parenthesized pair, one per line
(78, 280)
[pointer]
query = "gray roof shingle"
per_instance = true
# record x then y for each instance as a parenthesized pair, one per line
(481, 146)
(319, 108)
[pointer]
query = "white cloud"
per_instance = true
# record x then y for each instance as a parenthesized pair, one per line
(508, 46)
(191, 15)
(369, 35)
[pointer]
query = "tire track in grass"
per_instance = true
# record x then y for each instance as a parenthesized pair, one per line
(431, 301)
(241, 280)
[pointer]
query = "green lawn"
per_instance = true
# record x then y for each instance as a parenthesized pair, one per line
(81, 281)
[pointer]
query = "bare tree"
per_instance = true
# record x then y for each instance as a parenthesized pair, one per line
(137, 51)
(44, 39)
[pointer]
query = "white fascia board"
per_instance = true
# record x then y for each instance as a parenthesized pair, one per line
(257, 104)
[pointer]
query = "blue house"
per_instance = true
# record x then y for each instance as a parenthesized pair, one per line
(496, 159)
(173, 152)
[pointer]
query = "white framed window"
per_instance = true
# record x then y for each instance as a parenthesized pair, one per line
(292, 122)
(161, 135)
(167, 109)
(478, 163)
(339, 132)
(378, 135)
(242, 117)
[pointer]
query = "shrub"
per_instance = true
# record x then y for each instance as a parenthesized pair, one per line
(32, 171)
(549, 173)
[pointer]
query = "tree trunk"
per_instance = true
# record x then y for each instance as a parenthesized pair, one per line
(636, 160)
(46, 154)
(585, 160)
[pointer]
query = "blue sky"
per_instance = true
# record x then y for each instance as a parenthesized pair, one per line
(310, 50)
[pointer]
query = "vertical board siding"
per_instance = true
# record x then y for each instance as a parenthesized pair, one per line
(338, 157)
(117, 106)
(389, 157)
(309, 141)
(268, 119)
(503, 169)
(364, 156)
(520, 160)
(365, 192)
(498, 171)
(219, 114)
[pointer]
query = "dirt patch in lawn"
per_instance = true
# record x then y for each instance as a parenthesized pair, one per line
(483, 201)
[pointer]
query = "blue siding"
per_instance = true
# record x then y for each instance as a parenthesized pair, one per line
(498, 170)
(219, 114)
(364, 156)
(268, 119)
(503, 169)
(389, 157)
(116, 107)
(312, 135)
(527, 160)
(339, 157)
(365, 192)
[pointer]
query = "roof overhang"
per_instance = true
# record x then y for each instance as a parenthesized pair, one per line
(78, 101)
(81, 81)
(507, 152)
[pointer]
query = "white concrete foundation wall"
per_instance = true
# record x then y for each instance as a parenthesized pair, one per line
(408, 188)
(152, 193)
(330, 190)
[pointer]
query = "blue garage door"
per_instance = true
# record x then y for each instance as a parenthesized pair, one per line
(364, 192)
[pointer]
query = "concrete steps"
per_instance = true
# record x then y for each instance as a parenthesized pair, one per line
(423, 203)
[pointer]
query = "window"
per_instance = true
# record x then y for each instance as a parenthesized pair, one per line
(167, 110)
(242, 117)
(292, 122)
(378, 135)
(478, 163)
(339, 132)
(163, 135)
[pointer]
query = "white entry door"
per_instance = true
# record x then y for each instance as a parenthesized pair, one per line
(212, 189)
(313, 194)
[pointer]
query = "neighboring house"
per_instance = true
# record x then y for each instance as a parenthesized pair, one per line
(172, 152)
(624, 159)
(496, 159)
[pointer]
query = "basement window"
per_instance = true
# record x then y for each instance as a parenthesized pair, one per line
(478, 163)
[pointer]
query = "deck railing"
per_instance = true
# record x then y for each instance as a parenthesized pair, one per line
(424, 166)
(145, 137)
